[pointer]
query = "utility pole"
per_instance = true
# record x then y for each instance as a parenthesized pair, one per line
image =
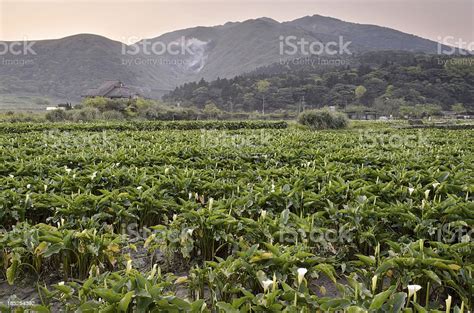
(263, 104)
(301, 105)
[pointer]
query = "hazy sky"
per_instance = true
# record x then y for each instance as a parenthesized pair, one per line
(122, 20)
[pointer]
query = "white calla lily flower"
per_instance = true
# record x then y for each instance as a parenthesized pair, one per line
(266, 284)
(448, 304)
(129, 266)
(412, 289)
(374, 282)
(301, 272)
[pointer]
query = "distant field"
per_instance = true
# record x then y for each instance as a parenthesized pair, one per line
(248, 218)
(22, 103)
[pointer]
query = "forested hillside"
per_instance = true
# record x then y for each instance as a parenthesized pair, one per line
(384, 81)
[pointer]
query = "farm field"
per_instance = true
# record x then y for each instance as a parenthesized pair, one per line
(250, 217)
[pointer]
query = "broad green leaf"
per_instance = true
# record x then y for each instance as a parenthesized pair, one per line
(108, 295)
(380, 299)
(227, 308)
(125, 302)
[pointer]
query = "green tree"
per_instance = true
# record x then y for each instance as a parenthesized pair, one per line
(211, 110)
(458, 108)
(96, 102)
(262, 88)
(408, 111)
(388, 106)
(200, 96)
(360, 91)
(430, 109)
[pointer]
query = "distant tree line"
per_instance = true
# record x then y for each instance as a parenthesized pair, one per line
(389, 82)
(99, 108)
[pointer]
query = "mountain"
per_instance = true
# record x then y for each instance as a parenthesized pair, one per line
(368, 37)
(63, 69)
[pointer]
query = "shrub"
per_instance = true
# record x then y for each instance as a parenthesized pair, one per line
(104, 104)
(86, 114)
(323, 119)
(56, 116)
(112, 115)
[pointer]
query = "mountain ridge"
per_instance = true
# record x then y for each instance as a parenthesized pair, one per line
(64, 68)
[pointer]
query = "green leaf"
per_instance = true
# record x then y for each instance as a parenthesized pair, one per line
(40, 309)
(125, 302)
(226, 307)
(335, 304)
(51, 239)
(419, 308)
(11, 272)
(64, 289)
(399, 301)
(385, 266)
(369, 260)
(198, 306)
(433, 276)
(355, 309)
(380, 299)
(88, 307)
(53, 249)
(108, 295)
(328, 270)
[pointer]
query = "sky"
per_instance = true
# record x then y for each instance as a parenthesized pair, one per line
(444, 21)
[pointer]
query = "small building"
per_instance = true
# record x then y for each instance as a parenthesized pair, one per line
(61, 106)
(469, 115)
(448, 114)
(113, 89)
(54, 109)
(362, 115)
